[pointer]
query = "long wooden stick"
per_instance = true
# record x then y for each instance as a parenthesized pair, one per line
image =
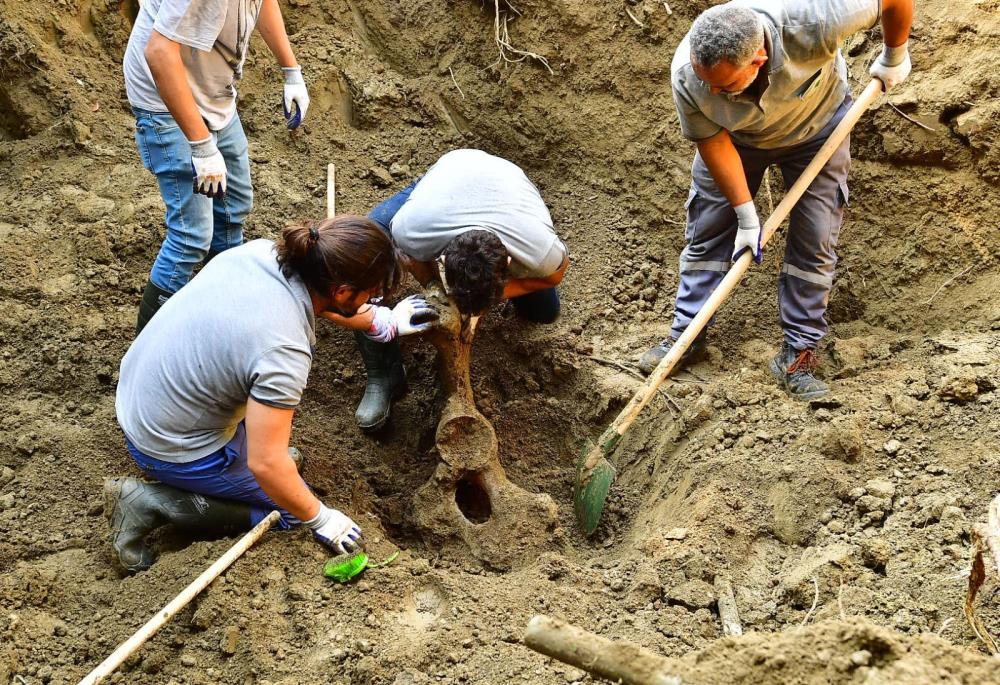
(331, 190)
(130, 646)
(735, 275)
(619, 662)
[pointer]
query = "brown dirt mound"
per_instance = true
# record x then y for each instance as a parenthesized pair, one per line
(871, 495)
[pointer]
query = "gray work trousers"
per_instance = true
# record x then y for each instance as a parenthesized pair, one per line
(810, 257)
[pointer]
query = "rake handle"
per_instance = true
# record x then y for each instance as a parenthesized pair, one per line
(739, 268)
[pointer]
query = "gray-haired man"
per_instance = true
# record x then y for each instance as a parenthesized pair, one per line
(757, 83)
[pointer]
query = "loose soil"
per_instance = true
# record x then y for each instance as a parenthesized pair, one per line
(853, 513)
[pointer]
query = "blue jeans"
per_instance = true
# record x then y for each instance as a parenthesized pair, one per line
(223, 473)
(541, 306)
(195, 223)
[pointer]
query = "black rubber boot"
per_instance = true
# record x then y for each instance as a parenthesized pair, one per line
(135, 508)
(695, 352)
(794, 370)
(153, 298)
(386, 381)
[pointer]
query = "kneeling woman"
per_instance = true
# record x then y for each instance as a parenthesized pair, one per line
(208, 389)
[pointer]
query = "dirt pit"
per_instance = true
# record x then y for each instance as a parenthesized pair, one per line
(854, 512)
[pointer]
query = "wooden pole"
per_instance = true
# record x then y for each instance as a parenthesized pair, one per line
(331, 190)
(728, 613)
(132, 645)
(739, 268)
(619, 662)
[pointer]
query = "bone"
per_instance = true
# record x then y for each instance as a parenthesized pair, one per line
(509, 524)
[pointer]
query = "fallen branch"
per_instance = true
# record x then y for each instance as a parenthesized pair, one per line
(911, 119)
(619, 662)
(943, 285)
(987, 535)
(728, 614)
(667, 398)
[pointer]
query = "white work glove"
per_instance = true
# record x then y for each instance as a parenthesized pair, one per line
(295, 95)
(388, 323)
(335, 530)
(892, 66)
(208, 168)
(748, 231)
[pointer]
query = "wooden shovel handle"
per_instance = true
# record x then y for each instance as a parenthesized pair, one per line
(740, 266)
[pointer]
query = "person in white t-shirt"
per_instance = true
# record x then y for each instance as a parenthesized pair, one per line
(182, 63)
(483, 217)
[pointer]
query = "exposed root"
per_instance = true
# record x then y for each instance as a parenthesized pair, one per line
(501, 33)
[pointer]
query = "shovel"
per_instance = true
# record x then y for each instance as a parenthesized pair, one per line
(594, 472)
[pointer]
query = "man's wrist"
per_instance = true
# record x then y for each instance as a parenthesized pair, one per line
(746, 214)
(893, 56)
(205, 147)
(293, 75)
(322, 513)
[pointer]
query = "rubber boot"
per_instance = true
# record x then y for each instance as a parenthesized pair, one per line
(386, 381)
(299, 459)
(135, 508)
(153, 298)
(695, 352)
(794, 370)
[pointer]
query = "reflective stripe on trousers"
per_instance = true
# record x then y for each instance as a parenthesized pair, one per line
(810, 251)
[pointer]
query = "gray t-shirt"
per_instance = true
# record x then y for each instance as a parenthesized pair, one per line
(470, 189)
(214, 35)
(239, 329)
(806, 72)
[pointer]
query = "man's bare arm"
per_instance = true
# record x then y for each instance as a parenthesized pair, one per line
(164, 59)
(726, 167)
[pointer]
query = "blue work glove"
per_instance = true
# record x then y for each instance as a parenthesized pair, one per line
(388, 323)
(296, 98)
(748, 232)
(335, 530)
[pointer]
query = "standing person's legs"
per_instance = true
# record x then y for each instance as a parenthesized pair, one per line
(810, 261)
(704, 261)
(386, 376)
(541, 306)
(230, 211)
(166, 153)
(810, 252)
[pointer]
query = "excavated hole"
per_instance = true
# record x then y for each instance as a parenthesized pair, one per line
(472, 499)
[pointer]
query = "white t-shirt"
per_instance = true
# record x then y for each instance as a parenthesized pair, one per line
(213, 34)
(470, 189)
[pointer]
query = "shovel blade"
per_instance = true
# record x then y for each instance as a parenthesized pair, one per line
(591, 489)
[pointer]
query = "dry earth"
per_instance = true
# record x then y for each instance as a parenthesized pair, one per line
(871, 494)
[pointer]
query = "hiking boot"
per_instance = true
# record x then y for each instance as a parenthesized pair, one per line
(794, 369)
(135, 508)
(695, 353)
(386, 381)
(153, 298)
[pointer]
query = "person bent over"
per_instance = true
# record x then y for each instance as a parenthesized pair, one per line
(759, 83)
(208, 389)
(482, 217)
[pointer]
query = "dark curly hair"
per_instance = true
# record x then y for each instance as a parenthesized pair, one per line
(475, 266)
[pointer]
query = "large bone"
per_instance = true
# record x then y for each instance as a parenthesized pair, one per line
(508, 524)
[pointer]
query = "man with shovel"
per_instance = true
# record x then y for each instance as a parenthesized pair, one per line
(757, 83)
(181, 66)
(486, 222)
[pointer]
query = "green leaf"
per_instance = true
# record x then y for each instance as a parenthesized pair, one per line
(345, 567)
(392, 558)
